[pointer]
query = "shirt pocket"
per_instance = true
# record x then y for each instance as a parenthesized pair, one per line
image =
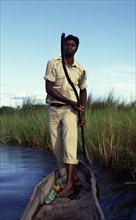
(74, 81)
(59, 79)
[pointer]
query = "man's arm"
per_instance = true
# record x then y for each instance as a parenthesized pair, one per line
(83, 99)
(54, 93)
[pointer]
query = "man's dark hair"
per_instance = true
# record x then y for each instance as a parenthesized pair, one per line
(74, 38)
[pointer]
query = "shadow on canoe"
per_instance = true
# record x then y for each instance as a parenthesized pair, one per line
(83, 206)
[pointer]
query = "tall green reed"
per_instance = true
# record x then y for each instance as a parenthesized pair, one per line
(27, 126)
(110, 133)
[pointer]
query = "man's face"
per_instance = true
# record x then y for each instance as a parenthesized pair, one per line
(70, 47)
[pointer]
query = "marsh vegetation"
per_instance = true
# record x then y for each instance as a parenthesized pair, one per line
(109, 130)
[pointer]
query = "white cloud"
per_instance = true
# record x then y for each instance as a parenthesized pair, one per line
(118, 68)
(121, 79)
(15, 99)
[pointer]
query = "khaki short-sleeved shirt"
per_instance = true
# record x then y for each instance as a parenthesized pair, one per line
(55, 73)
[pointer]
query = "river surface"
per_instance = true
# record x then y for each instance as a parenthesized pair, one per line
(22, 168)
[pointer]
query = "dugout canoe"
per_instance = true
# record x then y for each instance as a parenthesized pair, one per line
(82, 206)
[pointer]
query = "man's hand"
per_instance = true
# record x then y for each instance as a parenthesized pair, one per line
(77, 107)
(80, 109)
(81, 121)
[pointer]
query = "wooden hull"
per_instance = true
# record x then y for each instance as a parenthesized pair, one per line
(84, 206)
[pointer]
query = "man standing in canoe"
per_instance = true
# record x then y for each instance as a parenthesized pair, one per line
(62, 109)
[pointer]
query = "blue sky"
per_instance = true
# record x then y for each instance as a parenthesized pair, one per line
(30, 36)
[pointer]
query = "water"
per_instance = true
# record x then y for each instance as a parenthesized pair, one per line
(117, 199)
(22, 168)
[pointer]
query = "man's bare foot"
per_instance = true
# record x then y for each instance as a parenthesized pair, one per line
(66, 192)
(77, 182)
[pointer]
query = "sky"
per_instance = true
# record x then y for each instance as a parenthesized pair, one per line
(31, 33)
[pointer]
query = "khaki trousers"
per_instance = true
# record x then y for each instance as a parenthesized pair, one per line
(63, 131)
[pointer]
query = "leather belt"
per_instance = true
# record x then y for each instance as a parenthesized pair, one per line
(57, 104)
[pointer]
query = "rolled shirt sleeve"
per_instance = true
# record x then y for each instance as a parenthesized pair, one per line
(82, 81)
(50, 71)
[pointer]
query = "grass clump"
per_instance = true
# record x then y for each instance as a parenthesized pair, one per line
(25, 126)
(110, 133)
